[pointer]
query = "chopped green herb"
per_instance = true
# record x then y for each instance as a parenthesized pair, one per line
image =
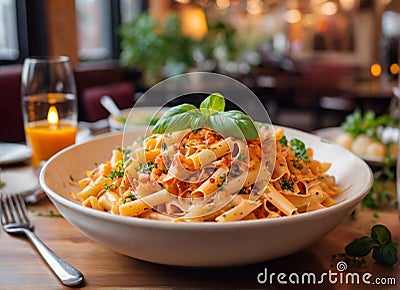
(110, 186)
(243, 190)
(147, 167)
(296, 164)
(118, 170)
(125, 153)
(50, 213)
(164, 146)
(359, 262)
(131, 196)
(116, 173)
(287, 184)
(122, 120)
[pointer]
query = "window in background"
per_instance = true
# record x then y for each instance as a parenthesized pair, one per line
(9, 49)
(130, 9)
(94, 29)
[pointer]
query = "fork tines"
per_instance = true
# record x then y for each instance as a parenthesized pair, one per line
(13, 209)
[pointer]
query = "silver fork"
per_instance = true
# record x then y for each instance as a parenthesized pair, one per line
(15, 220)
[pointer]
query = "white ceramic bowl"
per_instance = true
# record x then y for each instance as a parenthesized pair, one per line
(203, 244)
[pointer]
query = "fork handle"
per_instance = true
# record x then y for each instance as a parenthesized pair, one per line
(68, 275)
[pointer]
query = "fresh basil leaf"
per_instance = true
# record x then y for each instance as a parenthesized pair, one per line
(214, 102)
(385, 255)
(233, 123)
(299, 149)
(360, 247)
(180, 122)
(198, 122)
(224, 125)
(381, 235)
(166, 118)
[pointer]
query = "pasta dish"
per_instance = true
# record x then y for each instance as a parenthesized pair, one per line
(200, 174)
(143, 181)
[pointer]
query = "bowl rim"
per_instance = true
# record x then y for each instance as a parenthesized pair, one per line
(343, 205)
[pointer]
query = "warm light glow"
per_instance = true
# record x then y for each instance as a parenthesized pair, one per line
(308, 20)
(316, 2)
(194, 22)
(292, 16)
(394, 68)
(223, 4)
(183, 1)
(329, 8)
(254, 7)
(376, 70)
(52, 116)
(347, 5)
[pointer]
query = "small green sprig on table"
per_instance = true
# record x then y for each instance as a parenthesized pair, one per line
(384, 250)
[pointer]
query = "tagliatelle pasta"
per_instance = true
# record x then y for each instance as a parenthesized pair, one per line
(200, 175)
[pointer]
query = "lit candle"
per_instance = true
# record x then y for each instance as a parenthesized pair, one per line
(48, 137)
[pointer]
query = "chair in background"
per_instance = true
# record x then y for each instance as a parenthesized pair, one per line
(11, 123)
(122, 93)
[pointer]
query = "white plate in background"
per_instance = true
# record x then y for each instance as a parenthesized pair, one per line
(11, 153)
(21, 179)
(331, 133)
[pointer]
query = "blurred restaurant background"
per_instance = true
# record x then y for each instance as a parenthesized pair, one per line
(310, 62)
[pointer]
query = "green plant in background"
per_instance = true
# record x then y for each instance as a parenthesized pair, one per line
(371, 125)
(368, 123)
(161, 50)
(156, 49)
(220, 43)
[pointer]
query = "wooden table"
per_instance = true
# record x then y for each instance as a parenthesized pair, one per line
(21, 266)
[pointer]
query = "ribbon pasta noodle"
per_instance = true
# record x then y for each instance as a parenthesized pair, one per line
(200, 176)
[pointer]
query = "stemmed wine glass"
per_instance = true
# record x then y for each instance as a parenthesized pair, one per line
(49, 105)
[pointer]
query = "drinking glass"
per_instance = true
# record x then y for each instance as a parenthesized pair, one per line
(49, 105)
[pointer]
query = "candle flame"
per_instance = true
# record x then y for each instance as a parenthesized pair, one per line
(52, 116)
